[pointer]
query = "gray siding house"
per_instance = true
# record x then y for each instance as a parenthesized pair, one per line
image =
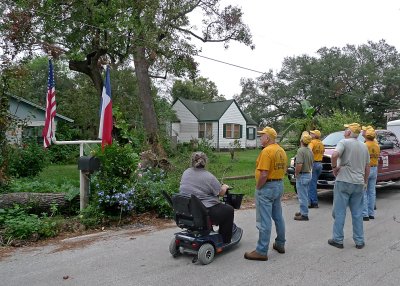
(31, 116)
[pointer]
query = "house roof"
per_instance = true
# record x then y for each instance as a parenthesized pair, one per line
(212, 111)
(249, 120)
(17, 98)
(206, 111)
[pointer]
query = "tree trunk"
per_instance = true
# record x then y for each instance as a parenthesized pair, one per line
(91, 67)
(146, 100)
(39, 201)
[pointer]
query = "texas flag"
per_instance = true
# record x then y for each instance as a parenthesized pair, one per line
(106, 118)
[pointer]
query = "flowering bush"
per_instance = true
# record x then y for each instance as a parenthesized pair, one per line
(122, 200)
(113, 184)
(148, 196)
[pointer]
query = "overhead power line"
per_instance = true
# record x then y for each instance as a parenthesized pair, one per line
(229, 64)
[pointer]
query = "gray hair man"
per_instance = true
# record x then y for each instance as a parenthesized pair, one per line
(350, 165)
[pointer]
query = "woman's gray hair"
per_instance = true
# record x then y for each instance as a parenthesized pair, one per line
(199, 160)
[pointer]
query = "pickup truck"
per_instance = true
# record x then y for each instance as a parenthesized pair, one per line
(388, 164)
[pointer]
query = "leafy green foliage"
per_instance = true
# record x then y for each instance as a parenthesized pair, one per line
(27, 160)
(337, 120)
(17, 223)
(199, 89)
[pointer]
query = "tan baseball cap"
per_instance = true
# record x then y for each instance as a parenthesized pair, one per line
(270, 131)
(370, 133)
(354, 127)
(306, 138)
(316, 132)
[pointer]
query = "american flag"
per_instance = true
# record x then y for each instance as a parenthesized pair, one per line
(49, 128)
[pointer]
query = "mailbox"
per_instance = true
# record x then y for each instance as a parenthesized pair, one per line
(88, 164)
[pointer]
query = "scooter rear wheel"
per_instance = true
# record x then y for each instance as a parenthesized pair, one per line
(173, 248)
(206, 253)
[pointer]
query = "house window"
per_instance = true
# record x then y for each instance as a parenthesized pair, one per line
(205, 130)
(232, 131)
(251, 133)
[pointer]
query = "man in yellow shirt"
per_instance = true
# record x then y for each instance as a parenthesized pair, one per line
(270, 170)
(370, 193)
(318, 149)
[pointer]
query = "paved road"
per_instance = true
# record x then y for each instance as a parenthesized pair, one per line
(128, 258)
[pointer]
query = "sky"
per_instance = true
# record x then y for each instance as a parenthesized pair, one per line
(289, 28)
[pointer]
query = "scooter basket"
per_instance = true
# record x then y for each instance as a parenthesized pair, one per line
(235, 200)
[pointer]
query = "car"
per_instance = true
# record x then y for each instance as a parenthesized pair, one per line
(388, 164)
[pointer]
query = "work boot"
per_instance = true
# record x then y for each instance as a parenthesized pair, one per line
(301, 217)
(335, 244)
(254, 255)
(279, 248)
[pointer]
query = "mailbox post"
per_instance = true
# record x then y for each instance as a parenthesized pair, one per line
(87, 165)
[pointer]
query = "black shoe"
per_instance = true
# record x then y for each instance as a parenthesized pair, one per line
(371, 217)
(301, 217)
(360, 246)
(366, 218)
(279, 248)
(335, 244)
(313, 206)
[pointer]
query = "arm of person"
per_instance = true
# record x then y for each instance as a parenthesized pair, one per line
(334, 163)
(223, 190)
(297, 169)
(366, 175)
(262, 179)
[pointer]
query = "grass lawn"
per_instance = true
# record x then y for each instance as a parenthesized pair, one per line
(58, 174)
(243, 164)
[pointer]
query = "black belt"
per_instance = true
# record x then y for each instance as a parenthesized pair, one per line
(272, 180)
(374, 166)
(304, 172)
(317, 161)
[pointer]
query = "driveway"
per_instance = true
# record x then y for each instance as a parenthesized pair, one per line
(130, 257)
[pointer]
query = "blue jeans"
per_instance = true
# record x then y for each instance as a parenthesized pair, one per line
(312, 193)
(347, 194)
(268, 206)
(302, 186)
(370, 193)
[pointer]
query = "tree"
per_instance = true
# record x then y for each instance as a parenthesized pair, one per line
(157, 34)
(359, 80)
(199, 89)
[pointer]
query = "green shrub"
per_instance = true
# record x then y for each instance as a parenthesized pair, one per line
(17, 223)
(27, 160)
(91, 216)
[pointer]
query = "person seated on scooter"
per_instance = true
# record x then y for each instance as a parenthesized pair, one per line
(198, 181)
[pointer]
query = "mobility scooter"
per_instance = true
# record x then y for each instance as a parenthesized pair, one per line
(198, 237)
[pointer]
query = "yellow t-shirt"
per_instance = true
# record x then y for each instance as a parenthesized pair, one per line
(318, 149)
(272, 159)
(373, 150)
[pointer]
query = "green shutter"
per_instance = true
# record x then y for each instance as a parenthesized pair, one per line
(247, 133)
(254, 133)
(241, 131)
(224, 131)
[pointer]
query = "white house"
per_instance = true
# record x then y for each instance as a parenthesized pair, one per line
(31, 115)
(222, 123)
